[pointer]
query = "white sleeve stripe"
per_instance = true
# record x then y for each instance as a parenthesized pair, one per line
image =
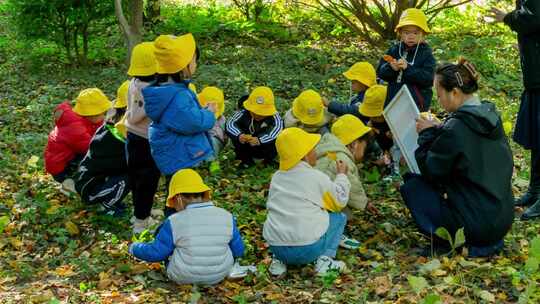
(230, 124)
(275, 131)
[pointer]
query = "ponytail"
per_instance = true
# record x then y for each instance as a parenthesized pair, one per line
(462, 75)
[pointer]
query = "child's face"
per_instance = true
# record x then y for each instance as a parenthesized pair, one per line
(358, 149)
(96, 119)
(411, 35)
(311, 158)
(448, 100)
(257, 117)
(357, 86)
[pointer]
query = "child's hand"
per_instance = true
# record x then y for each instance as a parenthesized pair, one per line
(497, 14)
(325, 102)
(422, 124)
(341, 167)
(402, 64)
(254, 141)
(394, 65)
(244, 138)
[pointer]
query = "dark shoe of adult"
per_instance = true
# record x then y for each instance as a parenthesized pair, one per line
(531, 212)
(526, 199)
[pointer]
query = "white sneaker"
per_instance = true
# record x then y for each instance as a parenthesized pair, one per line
(141, 225)
(325, 263)
(277, 268)
(348, 243)
(157, 213)
(68, 187)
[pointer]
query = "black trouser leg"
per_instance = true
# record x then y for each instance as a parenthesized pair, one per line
(143, 175)
(533, 192)
(267, 152)
(244, 152)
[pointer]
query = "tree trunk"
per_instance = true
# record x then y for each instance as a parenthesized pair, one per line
(85, 44)
(132, 30)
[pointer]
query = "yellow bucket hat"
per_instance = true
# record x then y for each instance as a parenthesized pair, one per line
(122, 95)
(308, 108)
(363, 72)
(212, 95)
(91, 102)
(173, 53)
(261, 102)
(292, 145)
(373, 104)
(413, 16)
(348, 128)
(192, 87)
(186, 181)
(143, 62)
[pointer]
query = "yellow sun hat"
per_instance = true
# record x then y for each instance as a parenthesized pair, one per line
(364, 72)
(308, 108)
(348, 128)
(91, 102)
(261, 102)
(413, 16)
(373, 104)
(122, 95)
(143, 61)
(292, 145)
(186, 181)
(173, 53)
(213, 95)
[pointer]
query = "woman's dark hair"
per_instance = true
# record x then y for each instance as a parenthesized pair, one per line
(178, 76)
(462, 75)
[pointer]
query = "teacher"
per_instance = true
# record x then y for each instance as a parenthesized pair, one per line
(525, 21)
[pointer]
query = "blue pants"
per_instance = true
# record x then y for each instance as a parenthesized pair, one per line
(327, 245)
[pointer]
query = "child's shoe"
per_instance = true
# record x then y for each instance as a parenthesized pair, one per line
(348, 243)
(116, 211)
(325, 264)
(214, 167)
(68, 187)
(277, 268)
(141, 225)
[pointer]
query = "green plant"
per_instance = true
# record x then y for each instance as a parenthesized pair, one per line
(455, 242)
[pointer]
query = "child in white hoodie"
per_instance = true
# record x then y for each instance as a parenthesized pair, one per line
(304, 223)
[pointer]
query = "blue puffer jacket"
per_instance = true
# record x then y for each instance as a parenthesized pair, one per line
(418, 76)
(178, 132)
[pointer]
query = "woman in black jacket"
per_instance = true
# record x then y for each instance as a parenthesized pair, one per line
(466, 165)
(525, 21)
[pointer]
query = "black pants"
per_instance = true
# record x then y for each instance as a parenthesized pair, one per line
(247, 153)
(143, 175)
(108, 192)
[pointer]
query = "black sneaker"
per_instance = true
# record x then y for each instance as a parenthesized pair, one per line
(526, 199)
(531, 212)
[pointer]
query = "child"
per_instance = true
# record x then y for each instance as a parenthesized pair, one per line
(178, 133)
(254, 129)
(410, 62)
(304, 222)
(102, 177)
(70, 138)
(372, 108)
(466, 165)
(142, 169)
(308, 113)
(362, 76)
(198, 243)
(346, 143)
(217, 134)
(118, 111)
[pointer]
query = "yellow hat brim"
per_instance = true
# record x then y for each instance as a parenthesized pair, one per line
(192, 189)
(311, 140)
(141, 71)
(101, 108)
(262, 110)
(166, 64)
(369, 111)
(354, 135)
(423, 27)
(119, 105)
(351, 76)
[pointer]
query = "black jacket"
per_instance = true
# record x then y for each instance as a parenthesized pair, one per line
(265, 130)
(470, 161)
(418, 77)
(105, 157)
(525, 20)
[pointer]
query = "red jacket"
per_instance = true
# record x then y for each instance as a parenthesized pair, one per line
(70, 136)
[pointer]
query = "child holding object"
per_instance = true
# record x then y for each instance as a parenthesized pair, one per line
(200, 241)
(308, 113)
(304, 223)
(213, 95)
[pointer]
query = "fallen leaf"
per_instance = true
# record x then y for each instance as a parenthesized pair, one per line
(32, 161)
(71, 228)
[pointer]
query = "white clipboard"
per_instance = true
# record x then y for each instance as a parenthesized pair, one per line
(401, 114)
